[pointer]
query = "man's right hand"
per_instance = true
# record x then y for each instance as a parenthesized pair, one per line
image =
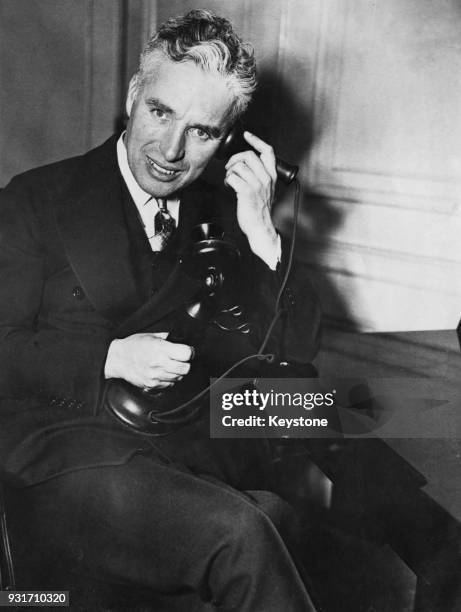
(148, 360)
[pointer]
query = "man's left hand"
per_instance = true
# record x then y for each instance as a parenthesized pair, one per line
(253, 178)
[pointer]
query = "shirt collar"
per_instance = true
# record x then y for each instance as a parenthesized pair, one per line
(139, 196)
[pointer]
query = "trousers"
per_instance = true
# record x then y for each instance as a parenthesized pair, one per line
(160, 526)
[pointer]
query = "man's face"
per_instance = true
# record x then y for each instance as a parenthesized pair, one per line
(176, 120)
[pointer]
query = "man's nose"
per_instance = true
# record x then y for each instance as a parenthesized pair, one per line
(174, 145)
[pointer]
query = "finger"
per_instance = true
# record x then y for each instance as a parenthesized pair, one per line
(179, 352)
(163, 375)
(166, 377)
(252, 161)
(161, 335)
(177, 368)
(257, 143)
(152, 384)
(236, 182)
(163, 385)
(242, 156)
(251, 180)
(267, 154)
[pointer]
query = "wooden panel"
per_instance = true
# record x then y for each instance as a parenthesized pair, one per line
(105, 89)
(383, 268)
(393, 73)
(59, 79)
(386, 164)
(139, 21)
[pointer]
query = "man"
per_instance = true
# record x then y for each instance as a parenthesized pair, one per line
(91, 292)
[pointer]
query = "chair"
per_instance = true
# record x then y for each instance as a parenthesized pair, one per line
(7, 581)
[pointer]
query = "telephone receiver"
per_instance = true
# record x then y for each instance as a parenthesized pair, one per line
(234, 143)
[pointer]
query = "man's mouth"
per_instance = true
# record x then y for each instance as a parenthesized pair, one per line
(161, 169)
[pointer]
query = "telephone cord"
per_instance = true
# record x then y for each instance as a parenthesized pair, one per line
(269, 357)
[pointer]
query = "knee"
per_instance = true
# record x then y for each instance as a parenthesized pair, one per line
(244, 523)
(274, 507)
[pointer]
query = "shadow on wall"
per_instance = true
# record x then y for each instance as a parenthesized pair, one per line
(280, 116)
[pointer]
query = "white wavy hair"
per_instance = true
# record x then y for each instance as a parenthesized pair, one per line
(211, 43)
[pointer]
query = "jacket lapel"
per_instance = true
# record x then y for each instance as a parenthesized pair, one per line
(93, 230)
(180, 287)
(95, 235)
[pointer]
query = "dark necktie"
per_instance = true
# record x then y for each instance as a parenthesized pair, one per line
(164, 224)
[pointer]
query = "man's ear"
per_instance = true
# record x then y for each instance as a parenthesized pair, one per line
(132, 93)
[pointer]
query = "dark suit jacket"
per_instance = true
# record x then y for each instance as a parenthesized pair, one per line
(73, 270)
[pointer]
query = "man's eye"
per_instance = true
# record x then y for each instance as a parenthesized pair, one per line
(159, 113)
(201, 134)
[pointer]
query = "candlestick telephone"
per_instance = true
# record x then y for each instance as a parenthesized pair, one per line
(213, 259)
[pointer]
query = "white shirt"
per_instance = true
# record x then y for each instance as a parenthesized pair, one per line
(146, 204)
(148, 207)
